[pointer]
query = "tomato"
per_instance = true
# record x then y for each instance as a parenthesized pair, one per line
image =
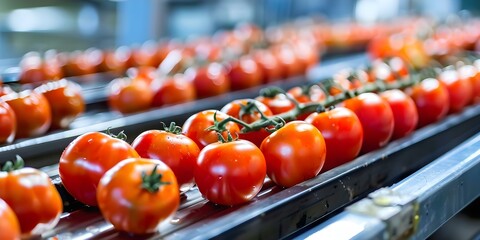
(313, 93)
(65, 100)
(471, 73)
(294, 153)
(137, 194)
(8, 123)
(79, 64)
(86, 159)
(195, 127)
(343, 134)
(376, 117)
(128, 96)
(209, 81)
(278, 104)
(9, 226)
(244, 73)
(268, 65)
(34, 69)
(289, 62)
(431, 99)
(230, 173)
(179, 152)
(144, 73)
(476, 83)
(146, 55)
(459, 90)
(32, 112)
(174, 90)
(32, 196)
(114, 61)
(404, 112)
(237, 110)
(382, 71)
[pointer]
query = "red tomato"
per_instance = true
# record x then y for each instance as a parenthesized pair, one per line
(195, 127)
(114, 61)
(174, 149)
(404, 112)
(32, 112)
(65, 99)
(127, 96)
(376, 117)
(289, 62)
(32, 196)
(294, 153)
(244, 73)
(459, 90)
(137, 194)
(313, 93)
(471, 73)
(9, 226)
(278, 104)
(269, 65)
(173, 91)
(343, 134)
(8, 123)
(230, 173)
(209, 81)
(86, 159)
(432, 101)
(235, 109)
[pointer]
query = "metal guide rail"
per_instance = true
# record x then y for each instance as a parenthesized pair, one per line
(415, 207)
(278, 212)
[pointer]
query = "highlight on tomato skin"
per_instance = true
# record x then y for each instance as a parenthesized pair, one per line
(9, 226)
(405, 112)
(8, 123)
(127, 95)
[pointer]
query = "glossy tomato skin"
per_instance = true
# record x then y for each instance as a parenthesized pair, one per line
(179, 152)
(128, 206)
(268, 65)
(278, 104)
(194, 127)
(404, 112)
(9, 226)
(243, 170)
(128, 96)
(32, 112)
(376, 117)
(471, 73)
(234, 109)
(459, 90)
(209, 81)
(8, 123)
(343, 134)
(294, 153)
(65, 100)
(431, 99)
(173, 91)
(244, 73)
(34, 199)
(86, 159)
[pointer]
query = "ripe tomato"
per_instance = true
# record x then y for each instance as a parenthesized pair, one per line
(404, 112)
(230, 173)
(137, 194)
(32, 112)
(32, 196)
(237, 109)
(171, 147)
(244, 73)
(269, 65)
(376, 117)
(174, 90)
(459, 89)
(288, 61)
(343, 134)
(294, 153)
(431, 99)
(471, 73)
(307, 95)
(278, 104)
(8, 123)
(127, 96)
(9, 226)
(65, 99)
(196, 125)
(209, 81)
(86, 159)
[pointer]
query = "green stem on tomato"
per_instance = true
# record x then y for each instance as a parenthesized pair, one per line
(153, 181)
(10, 166)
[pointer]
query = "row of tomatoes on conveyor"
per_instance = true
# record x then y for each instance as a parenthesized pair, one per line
(288, 136)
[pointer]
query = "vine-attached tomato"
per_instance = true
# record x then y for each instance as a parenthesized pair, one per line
(174, 90)
(179, 152)
(278, 104)
(431, 99)
(86, 159)
(32, 196)
(8, 123)
(294, 153)
(307, 94)
(404, 112)
(209, 81)
(242, 109)
(127, 95)
(459, 89)
(137, 194)
(269, 65)
(376, 117)
(65, 99)
(32, 112)
(230, 173)
(244, 73)
(9, 226)
(343, 134)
